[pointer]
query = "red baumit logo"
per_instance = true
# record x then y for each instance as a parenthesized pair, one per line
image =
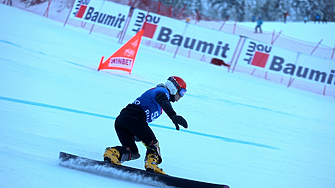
(149, 30)
(257, 54)
(81, 11)
(260, 59)
(150, 22)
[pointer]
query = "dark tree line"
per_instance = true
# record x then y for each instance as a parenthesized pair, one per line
(243, 10)
(240, 10)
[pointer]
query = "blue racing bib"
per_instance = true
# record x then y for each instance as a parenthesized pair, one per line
(149, 104)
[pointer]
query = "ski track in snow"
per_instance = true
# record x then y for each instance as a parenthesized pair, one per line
(152, 124)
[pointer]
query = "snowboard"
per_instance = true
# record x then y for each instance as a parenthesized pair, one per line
(128, 173)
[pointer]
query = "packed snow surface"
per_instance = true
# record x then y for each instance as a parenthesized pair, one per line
(243, 131)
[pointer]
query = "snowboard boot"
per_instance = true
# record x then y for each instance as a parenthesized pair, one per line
(119, 154)
(112, 155)
(151, 164)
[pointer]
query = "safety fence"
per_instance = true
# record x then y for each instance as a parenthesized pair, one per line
(237, 53)
(279, 39)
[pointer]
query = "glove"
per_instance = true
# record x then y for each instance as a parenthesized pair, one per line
(179, 120)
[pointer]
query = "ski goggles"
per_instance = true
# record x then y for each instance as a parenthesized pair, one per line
(182, 91)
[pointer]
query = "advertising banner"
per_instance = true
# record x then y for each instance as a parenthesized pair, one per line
(287, 63)
(181, 34)
(312, 69)
(103, 13)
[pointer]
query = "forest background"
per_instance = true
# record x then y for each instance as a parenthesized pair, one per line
(219, 10)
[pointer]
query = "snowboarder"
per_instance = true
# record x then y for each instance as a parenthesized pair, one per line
(317, 18)
(324, 19)
(259, 23)
(132, 124)
(9, 2)
(285, 16)
(305, 19)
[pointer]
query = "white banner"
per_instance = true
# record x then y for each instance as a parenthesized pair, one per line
(260, 55)
(312, 69)
(190, 37)
(287, 63)
(155, 22)
(103, 13)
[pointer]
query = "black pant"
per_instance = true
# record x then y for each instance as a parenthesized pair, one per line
(132, 122)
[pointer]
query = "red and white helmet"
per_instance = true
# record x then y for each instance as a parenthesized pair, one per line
(176, 84)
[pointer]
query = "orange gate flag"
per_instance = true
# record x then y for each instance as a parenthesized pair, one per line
(124, 58)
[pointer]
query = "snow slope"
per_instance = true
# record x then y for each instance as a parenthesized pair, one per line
(309, 33)
(243, 132)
